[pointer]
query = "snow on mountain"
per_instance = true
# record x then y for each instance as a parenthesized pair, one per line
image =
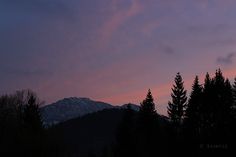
(132, 106)
(69, 108)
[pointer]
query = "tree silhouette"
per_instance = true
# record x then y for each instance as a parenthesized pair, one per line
(221, 106)
(32, 116)
(147, 127)
(147, 106)
(206, 120)
(21, 126)
(234, 98)
(193, 116)
(176, 108)
(233, 113)
(206, 110)
(216, 113)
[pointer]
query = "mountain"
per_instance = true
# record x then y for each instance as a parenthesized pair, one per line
(132, 106)
(93, 132)
(69, 108)
(73, 107)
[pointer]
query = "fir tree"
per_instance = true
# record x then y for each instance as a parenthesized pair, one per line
(147, 127)
(207, 82)
(192, 116)
(148, 106)
(176, 108)
(218, 100)
(233, 113)
(224, 111)
(205, 109)
(234, 96)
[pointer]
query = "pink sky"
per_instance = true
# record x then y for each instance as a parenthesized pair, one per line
(114, 50)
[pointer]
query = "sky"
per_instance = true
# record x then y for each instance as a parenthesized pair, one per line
(113, 50)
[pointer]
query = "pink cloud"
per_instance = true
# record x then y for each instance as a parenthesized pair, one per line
(230, 73)
(204, 4)
(150, 27)
(117, 19)
(136, 96)
(223, 5)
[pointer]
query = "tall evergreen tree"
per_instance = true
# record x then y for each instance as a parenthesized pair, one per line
(205, 109)
(193, 115)
(207, 82)
(176, 108)
(148, 105)
(217, 106)
(147, 127)
(233, 112)
(234, 96)
(224, 114)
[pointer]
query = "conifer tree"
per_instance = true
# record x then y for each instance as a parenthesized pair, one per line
(233, 112)
(207, 82)
(234, 96)
(147, 127)
(176, 108)
(148, 106)
(216, 111)
(205, 109)
(192, 116)
(223, 100)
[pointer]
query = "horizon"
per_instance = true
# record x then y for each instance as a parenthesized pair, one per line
(114, 50)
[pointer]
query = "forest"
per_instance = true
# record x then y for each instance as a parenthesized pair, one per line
(201, 124)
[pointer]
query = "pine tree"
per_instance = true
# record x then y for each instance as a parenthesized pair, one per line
(207, 82)
(147, 127)
(205, 109)
(148, 106)
(223, 101)
(218, 104)
(176, 108)
(192, 116)
(234, 96)
(218, 100)
(233, 113)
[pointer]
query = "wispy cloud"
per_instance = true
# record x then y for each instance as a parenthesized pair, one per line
(150, 27)
(228, 59)
(117, 19)
(165, 48)
(18, 72)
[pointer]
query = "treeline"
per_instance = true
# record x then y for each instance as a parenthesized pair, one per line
(200, 125)
(203, 125)
(21, 127)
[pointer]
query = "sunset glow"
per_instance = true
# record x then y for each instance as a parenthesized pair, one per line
(113, 50)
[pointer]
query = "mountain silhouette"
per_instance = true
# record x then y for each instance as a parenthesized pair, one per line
(94, 132)
(73, 107)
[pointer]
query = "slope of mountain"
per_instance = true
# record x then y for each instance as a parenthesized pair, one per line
(91, 133)
(132, 106)
(73, 107)
(95, 132)
(69, 108)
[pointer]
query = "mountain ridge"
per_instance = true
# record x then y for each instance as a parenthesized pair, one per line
(73, 107)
